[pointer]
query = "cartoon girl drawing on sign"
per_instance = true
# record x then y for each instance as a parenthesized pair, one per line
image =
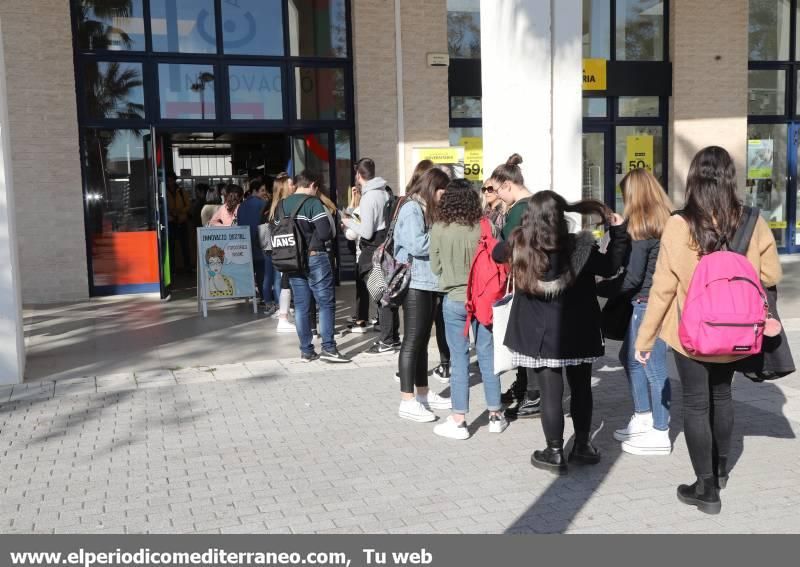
(218, 284)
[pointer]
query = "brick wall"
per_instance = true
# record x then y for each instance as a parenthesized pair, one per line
(709, 102)
(37, 40)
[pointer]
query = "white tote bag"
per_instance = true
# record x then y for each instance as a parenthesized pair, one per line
(501, 311)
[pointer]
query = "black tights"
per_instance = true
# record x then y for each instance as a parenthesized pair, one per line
(707, 411)
(551, 385)
(419, 308)
(441, 337)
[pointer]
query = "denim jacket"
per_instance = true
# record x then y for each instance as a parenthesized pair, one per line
(412, 240)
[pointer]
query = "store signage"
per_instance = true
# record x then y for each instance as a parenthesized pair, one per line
(438, 60)
(594, 75)
(224, 265)
(640, 153)
(778, 225)
(451, 159)
(759, 159)
(473, 158)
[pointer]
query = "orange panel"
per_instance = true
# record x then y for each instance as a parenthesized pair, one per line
(124, 258)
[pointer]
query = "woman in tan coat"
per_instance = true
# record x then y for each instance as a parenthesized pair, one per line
(709, 220)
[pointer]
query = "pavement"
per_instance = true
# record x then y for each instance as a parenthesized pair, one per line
(138, 416)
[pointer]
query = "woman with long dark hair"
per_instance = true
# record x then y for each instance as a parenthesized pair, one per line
(412, 244)
(554, 325)
(707, 224)
(226, 214)
(454, 239)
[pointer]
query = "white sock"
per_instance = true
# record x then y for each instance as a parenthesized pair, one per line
(284, 301)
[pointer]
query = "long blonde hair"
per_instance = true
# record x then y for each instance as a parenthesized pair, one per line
(281, 188)
(647, 206)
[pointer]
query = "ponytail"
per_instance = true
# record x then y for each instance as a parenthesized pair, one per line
(590, 207)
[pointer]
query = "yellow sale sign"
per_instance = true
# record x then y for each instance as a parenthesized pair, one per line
(640, 153)
(473, 158)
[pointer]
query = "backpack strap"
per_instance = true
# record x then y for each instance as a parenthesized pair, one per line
(390, 228)
(486, 233)
(300, 206)
(747, 225)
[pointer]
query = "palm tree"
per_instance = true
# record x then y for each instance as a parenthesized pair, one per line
(107, 92)
(95, 30)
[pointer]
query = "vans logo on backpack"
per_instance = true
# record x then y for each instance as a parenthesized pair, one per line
(283, 241)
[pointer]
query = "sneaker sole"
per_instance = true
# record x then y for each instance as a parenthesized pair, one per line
(443, 380)
(416, 418)
(389, 351)
(645, 451)
(335, 360)
(497, 431)
(451, 437)
(622, 437)
(712, 508)
(440, 407)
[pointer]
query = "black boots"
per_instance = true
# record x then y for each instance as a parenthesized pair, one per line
(703, 494)
(583, 452)
(551, 459)
(721, 472)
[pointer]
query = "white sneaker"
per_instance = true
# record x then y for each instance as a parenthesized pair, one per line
(397, 377)
(497, 423)
(654, 442)
(415, 411)
(435, 401)
(452, 430)
(284, 326)
(639, 424)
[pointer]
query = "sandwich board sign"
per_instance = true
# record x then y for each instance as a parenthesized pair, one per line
(224, 265)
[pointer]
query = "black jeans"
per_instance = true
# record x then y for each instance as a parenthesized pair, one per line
(389, 321)
(707, 411)
(419, 308)
(551, 385)
(441, 337)
(363, 299)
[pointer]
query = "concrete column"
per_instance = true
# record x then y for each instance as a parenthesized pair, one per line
(12, 347)
(531, 62)
(709, 102)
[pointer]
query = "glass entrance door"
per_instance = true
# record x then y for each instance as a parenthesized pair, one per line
(156, 180)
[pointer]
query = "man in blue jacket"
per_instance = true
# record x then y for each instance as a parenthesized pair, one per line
(252, 213)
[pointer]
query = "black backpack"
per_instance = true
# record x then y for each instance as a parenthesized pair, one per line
(390, 207)
(289, 247)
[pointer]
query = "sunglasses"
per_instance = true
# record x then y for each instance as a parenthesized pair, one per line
(488, 189)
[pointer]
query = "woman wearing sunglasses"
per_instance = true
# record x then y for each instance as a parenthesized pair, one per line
(493, 206)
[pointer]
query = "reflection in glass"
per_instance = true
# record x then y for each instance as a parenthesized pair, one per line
(114, 90)
(595, 107)
(645, 141)
(593, 171)
(320, 93)
(344, 166)
(766, 92)
(766, 175)
(119, 208)
(768, 31)
(638, 106)
(640, 30)
(186, 91)
(117, 25)
(465, 107)
(252, 27)
(464, 29)
(317, 28)
(183, 26)
(256, 93)
(310, 151)
(597, 29)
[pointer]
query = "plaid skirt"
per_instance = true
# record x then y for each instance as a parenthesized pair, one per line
(536, 362)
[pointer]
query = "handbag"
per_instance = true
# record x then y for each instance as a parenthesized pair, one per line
(615, 319)
(389, 279)
(775, 359)
(501, 312)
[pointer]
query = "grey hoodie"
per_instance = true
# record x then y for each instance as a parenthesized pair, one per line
(373, 200)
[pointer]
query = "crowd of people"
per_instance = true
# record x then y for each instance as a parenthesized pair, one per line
(555, 271)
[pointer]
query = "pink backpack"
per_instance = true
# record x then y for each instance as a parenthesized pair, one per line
(726, 307)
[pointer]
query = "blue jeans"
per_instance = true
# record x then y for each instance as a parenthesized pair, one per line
(649, 384)
(276, 282)
(455, 319)
(317, 284)
(262, 265)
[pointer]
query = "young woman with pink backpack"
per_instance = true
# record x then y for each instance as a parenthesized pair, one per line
(708, 304)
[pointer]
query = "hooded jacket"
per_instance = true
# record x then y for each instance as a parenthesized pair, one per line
(373, 199)
(561, 318)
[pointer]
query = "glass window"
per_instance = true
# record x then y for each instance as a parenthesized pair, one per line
(766, 93)
(114, 90)
(766, 175)
(310, 151)
(595, 107)
(638, 146)
(111, 24)
(471, 139)
(186, 91)
(597, 29)
(252, 27)
(119, 203)
(464, 29)
(768, 33)
(320, 94)
(317, 28)
(183, 26)
(344, 166)
(640, 30)
(638, 106)
(465, 107)
(594, 165)
(256, 93)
